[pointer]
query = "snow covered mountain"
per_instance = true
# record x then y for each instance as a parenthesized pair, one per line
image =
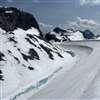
(25, 56)
(61, 35)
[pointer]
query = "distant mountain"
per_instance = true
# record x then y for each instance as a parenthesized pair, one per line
(57, 35)
(25, 56)
(61, 35)
(59, 30)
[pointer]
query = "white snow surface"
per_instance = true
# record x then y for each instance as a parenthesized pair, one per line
(15, 68)
(9, 11)
(98, 38)
(82, 82)
(76, 36)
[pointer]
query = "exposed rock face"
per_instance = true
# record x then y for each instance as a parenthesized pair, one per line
(12, 18)
(57, 35)
(61, 35)
(50, 37)
(59, 30)
(88, 34)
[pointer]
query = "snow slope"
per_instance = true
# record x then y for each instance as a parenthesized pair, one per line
(26, 58)
(82, 82)
(59, 92)
(97, 38)
(76, 36)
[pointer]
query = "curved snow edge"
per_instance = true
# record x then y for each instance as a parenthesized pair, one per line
(38, 83)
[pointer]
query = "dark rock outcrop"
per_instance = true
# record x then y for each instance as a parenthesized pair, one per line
(1, 76)
(50, 37)
(1, 56)
(59, 30)
(88, 34)
(58, 35)
(12, 18)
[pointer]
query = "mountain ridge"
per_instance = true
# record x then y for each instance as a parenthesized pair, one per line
(25, 56)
